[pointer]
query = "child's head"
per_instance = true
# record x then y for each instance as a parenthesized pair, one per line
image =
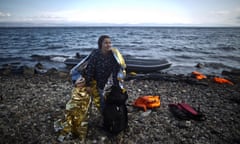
(80, 82)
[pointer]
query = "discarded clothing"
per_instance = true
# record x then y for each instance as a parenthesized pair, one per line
(184, 111)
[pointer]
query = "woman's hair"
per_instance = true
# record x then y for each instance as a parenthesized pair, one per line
(101, 39)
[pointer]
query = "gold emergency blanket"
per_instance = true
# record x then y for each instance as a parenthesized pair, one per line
(77, 113)
(122, 72)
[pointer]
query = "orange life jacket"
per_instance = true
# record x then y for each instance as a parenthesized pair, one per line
(222, 80)
(147, 102)
(198, 75)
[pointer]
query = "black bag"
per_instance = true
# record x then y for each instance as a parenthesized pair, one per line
(115, 117)
(116, 96)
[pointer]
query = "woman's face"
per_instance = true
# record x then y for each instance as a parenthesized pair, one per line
(106, 45)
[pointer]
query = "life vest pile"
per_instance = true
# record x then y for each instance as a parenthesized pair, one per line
(198, 75)
(222, 80)
(219, 80)
(148, 101)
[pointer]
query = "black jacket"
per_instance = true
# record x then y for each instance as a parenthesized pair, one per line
(100, 67)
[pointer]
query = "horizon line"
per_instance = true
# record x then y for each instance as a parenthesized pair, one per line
(29, 24)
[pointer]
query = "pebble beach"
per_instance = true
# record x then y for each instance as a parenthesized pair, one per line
(31, 103)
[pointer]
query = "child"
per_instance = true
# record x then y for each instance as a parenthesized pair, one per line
(76, 114)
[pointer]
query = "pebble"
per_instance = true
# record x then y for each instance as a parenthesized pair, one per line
(146, 113)
(40, 100)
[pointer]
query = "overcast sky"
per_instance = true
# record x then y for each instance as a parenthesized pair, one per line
(156, 12)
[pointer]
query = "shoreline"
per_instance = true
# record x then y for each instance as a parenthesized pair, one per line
(30, 103)
(43, 63)
(41, 67)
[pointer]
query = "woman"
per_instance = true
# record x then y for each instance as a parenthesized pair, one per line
(90, 80)
(102, 63)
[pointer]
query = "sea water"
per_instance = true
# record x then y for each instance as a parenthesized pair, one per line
(216, 48)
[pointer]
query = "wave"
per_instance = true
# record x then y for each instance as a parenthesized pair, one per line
(58, 59)
(226, 57)
(175, 49)
(215, 65)
(184, 57)
(226, 48)
(11, 59)
(55, 46)
(137, 42)
(48, 57)
(40, 57)
(79, 49)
